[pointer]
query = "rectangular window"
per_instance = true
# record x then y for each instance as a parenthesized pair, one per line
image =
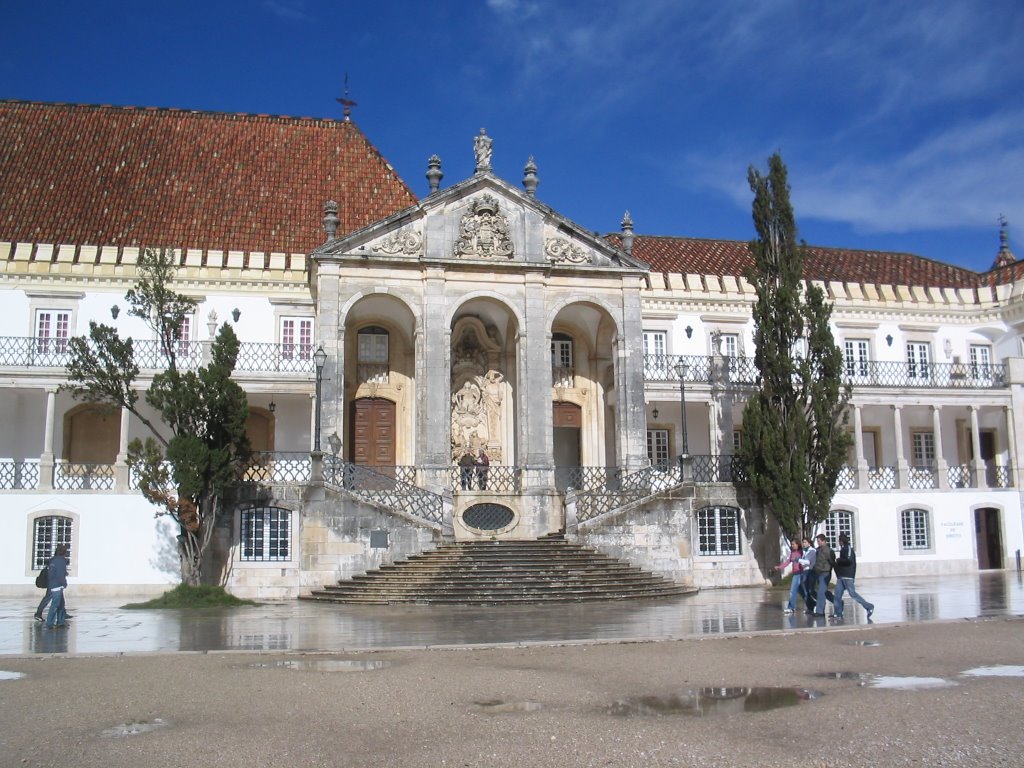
(185, 336)
(838, 521)
(655, 342)
(922, 449)
(561, 353)
(657, 447)
(718, 530)
(47, 533)
(737, 441)
(52, 330)
(266, 534)
(981, 362)
(297, 338)
(918, 360)
(914, 532)
(856, 359)
(373, 348)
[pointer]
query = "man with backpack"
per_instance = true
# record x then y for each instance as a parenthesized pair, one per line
(846, 572)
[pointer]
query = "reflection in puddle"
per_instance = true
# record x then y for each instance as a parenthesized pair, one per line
(866, 643)
(711, 701)
(908, 683)
(499, 706)
(999, 670)
(134, 728)
(328, 665)
(18, 675)
(844, 675)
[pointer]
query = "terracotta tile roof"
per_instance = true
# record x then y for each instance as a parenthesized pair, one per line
(687, 255)
(127, 176)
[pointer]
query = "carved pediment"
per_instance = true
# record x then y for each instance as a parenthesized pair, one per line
(560, 250)
(405, 242)
(484, 231)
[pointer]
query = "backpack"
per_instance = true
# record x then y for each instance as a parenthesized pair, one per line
(832, 558)
(43, 578)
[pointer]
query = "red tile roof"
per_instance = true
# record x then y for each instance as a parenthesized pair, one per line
(688, 255)
(127, 176)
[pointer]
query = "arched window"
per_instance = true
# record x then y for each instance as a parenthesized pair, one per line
(266, 534)
(839, 521)
(915, 530)
(47, 532)
(718, 531)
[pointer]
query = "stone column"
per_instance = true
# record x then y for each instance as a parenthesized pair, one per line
(121, 474)
(977, 465)
(902, 469)
(1011, 448)
(858, 450)
(941, 465)
(632, 422)
(433, 404)
(46, 460)
(536, 448)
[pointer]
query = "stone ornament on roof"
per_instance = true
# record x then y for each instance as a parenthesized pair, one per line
(407, 242)
(482, 150)
(483, 231)
(559, 249)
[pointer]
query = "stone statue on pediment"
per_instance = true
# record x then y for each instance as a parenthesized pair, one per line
(482, 150)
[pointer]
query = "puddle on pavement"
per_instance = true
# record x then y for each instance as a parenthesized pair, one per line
(893, 682)
(328, 665)
(134, 728)
(711, 701)
(998, 670)
(866, 643)
(844, 675)
(497, 706)
(18, 675)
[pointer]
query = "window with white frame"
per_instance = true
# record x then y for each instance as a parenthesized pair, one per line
(53, 327)
(856, 358)
(915, 529)
(729, 347)
(373, 354)
(981, 362)
(47, 532)
(838, 521)
(919, 357)
(718, 530)
(297, 338)
(655, 349)
(922, 449)
(266, 534)
(657, 447)
(561, 360)
(184, 336)
(737, 441)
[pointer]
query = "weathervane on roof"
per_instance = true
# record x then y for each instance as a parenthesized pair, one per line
(346, 102)
(1005, 255)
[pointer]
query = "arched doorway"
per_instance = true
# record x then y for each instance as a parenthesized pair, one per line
(372, 437)
(988, 535)
(567, 419)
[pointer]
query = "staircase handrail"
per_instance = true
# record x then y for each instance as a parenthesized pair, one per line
(383, 489)
(637, 485)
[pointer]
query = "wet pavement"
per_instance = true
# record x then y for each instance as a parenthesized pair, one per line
(101, 626)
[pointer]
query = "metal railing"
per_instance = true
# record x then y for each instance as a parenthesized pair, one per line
(959, 476)
(717, 469)
(83, 477)
(882, 478)
(495, 477)
(998, 476)
(922, 478)
(261, 357)
(847, 478)
(278, 467)
(587, 478)
(19, 475)
(633, 487)
(383, 489)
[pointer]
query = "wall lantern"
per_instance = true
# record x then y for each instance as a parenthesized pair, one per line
(654, 413)
(236, 313)
(273, 406)
(115, 311)
(888, 339)
(689, 331)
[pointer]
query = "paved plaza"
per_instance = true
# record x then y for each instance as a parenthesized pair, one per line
(102, 626)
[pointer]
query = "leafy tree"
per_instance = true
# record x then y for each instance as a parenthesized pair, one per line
(192, 456)
(794, 437)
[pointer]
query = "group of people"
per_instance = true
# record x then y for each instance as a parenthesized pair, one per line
(56, 582)
(812, 568)
(474, 466)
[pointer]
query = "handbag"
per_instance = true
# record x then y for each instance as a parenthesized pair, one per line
(43, 579)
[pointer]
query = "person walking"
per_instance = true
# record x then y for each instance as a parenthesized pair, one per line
(846, 572)
(823, 558)
(797, 573)
(466, 464)
(57, 574)
(47, 596)
(809, 585)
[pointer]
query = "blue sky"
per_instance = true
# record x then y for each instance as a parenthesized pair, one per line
(902, 124)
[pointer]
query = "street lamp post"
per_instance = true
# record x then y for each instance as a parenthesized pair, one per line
(681, 368)
(319, 359)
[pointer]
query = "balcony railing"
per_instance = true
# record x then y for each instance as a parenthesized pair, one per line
(741, 370)
(587, 478)
(882, 478)
(261, 357)
(494, 477)
(278, 467)
(83, 477)
(384, 489)
(19, 475)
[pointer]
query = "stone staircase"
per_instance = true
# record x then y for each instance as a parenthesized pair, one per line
(548, 570)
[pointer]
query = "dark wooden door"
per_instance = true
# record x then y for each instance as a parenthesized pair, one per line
(373, 432)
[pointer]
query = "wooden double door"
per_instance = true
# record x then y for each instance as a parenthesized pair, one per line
(372, 437)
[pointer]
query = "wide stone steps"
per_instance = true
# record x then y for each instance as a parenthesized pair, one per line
(547, 570)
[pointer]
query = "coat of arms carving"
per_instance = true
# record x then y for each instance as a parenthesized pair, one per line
(483, 231)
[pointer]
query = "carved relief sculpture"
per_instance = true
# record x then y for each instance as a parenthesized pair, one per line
(558, 249)
(407, 243)
(483, 231)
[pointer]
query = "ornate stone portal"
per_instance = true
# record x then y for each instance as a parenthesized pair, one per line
(478, 392)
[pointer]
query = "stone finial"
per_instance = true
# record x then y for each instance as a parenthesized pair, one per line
(482, 151)
(627, 233)
(331, 219)
(1005, 255)
(434, 173)
(530, 180)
